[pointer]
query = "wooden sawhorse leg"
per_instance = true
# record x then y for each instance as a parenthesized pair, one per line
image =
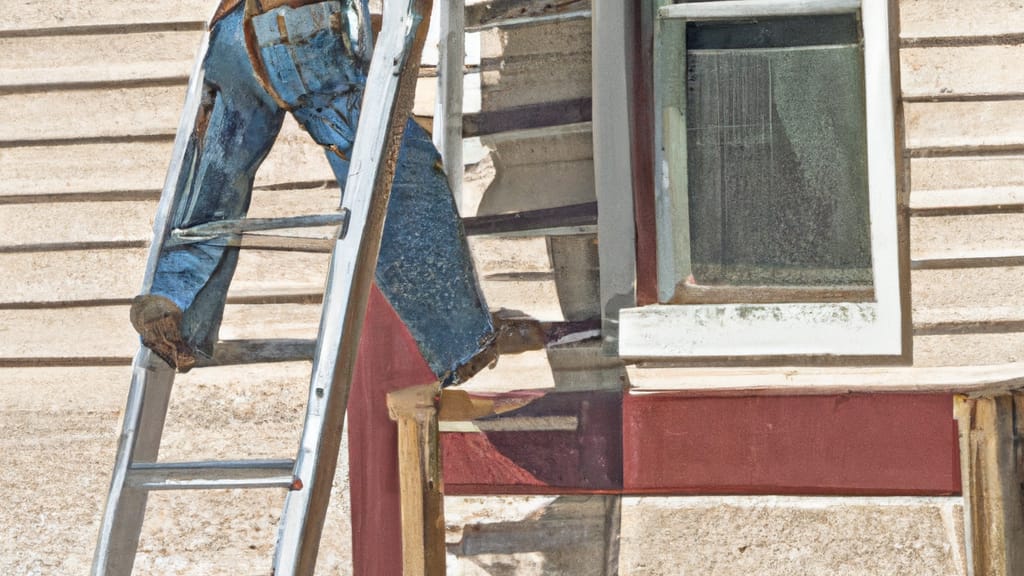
(419, 467)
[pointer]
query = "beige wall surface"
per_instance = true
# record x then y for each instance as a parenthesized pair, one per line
(90, 94)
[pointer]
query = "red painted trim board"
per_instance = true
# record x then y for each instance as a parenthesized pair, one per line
(388, 360)
(848, 445)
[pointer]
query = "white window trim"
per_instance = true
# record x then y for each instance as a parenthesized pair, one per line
(791, 329)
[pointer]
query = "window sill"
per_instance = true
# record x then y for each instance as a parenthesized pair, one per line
(737, 330)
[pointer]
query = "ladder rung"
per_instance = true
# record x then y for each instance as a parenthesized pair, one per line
(240, 226)
(282, 243)
(212, 474)
(233, 352)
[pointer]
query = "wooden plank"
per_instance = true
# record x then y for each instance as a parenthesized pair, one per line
(576, 215)
(967, 202)
(973, 72)
(92, 113)
(134, 167)
(61, 61)
(94, 335)
(730, 9)
(904, 444)
(950, 18)
(967, 288)
(520, 460)
(968, 349)
(37, 14)
(968, 320)
(70, 223)
(535, 64)
(419, 469)
(964, 127)
(532, 170)
(83, 275)
(966, 235)
(493, 12)
(373, 438)
(972, 177)
(810, 380)
(991, 470)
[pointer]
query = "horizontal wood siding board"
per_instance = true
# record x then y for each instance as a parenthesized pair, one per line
(85, 274)
(525, 117)
(957, 127)
(67, 61)
(79, 225)
(817, 445)
(76, 14)
(967, 235)
(495, 11)
(942, 18)
(535, 461)
(968, 176)
(980, 72)
(139, 165)
(966, 289)
(572, 215)
(83, 333)
(968, 349)
(536, 169)
(533, 65)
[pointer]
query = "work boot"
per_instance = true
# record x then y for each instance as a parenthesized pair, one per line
(158, 320)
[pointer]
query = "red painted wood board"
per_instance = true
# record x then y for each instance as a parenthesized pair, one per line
(388, 360)
(894, 444)
(587, 459)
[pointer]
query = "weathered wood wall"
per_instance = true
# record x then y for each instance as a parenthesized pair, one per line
(89, 98)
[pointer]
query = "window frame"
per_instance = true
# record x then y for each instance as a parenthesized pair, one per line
(874, 328)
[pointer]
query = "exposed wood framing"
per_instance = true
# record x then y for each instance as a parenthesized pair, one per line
(419, 466)
(990, 430)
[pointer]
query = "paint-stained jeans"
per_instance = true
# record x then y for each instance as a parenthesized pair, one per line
(312, 61)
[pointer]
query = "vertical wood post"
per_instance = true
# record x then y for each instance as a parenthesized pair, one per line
(419, 468)
(991, 465)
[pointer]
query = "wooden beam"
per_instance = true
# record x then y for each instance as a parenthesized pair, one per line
(803, 380)
(419, 467)
(991, 471)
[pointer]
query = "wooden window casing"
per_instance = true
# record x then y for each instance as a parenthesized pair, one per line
(861, 319)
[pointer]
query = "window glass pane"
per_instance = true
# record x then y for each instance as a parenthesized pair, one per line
(776, 154)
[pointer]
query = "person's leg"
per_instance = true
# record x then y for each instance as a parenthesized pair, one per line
(235, 129)
(425, 268)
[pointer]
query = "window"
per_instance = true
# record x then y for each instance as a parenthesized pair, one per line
(775, 182)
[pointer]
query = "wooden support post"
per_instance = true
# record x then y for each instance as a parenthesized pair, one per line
(991, 465)
(419, 467)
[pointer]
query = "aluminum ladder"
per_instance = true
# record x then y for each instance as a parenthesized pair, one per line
(387, 103)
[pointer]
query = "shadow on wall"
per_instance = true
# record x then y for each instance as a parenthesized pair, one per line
(573, 535)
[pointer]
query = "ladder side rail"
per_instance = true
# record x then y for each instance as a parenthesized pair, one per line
(387, 104)
(150, 389)
(450, 93)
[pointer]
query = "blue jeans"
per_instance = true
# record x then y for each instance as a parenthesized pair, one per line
(312, 61)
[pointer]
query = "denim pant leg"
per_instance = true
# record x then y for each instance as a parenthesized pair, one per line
(425, 268)
(235, 128)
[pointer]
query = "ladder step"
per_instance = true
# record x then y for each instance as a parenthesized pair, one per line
(212, 474)
(234, 352)
(241, 226)
(282, 243)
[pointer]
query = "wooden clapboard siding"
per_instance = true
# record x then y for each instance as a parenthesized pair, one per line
(964, 72)
(39, 17)
(542, 63)
(954, 128)
(54, 62)
(94, 333)
(963, 103)
(960, 22)
(535, 169)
